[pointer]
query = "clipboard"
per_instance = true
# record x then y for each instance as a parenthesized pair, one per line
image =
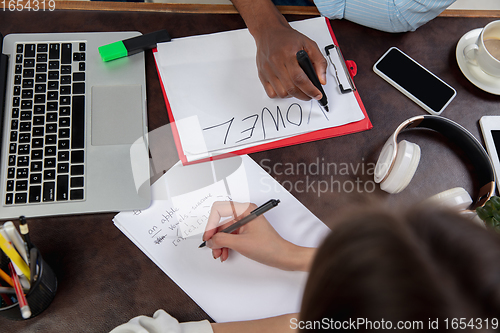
(354, 127)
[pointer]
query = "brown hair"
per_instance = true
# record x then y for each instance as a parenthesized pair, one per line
(419, 266)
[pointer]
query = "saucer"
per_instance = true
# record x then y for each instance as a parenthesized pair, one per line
(473, 73)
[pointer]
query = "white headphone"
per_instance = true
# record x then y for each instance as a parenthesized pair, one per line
(398, 162)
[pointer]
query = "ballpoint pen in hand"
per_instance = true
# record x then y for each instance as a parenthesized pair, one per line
(253, 215)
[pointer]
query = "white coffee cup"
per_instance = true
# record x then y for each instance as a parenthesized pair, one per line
(485, 52)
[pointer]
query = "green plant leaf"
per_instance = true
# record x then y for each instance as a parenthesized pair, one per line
(482, 213)
(489, 208)
(490, 222)
(495, 201)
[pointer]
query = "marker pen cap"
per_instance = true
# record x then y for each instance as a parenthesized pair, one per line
(113, 51)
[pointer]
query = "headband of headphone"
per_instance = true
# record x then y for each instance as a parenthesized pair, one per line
(454, 132)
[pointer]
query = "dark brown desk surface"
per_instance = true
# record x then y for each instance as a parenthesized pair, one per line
(104, 279)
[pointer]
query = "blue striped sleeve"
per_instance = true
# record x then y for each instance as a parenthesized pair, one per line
(385, 15)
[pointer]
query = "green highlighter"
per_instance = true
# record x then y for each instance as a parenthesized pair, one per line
(133, 45)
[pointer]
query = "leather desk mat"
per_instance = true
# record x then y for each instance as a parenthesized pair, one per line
(104, 279)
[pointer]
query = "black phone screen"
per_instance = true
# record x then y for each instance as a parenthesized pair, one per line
(496, 140)
(415, 79)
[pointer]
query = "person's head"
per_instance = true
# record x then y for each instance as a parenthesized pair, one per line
(377, 269)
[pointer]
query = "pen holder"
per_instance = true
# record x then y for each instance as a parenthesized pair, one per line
(40, 294)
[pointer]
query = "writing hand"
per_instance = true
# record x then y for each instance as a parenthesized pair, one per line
(256, 240)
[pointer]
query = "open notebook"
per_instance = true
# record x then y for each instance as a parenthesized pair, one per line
(217, 104)
(170, 231)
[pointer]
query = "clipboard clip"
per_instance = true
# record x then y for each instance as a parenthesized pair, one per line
(350, 69)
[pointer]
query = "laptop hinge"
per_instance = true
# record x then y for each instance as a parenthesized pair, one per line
(4, 59)
(3, 79)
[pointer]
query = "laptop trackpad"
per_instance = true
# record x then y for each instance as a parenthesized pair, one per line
(117, 116)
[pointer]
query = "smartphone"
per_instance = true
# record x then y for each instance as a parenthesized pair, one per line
(415, 81)
(490, 127)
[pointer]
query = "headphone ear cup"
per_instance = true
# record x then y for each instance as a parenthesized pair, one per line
(405, 165)
(457, 198)
(384, 160)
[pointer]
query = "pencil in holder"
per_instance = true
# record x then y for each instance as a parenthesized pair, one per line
(41, 293)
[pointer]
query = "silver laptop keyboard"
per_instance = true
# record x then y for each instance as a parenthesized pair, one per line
(47, 133)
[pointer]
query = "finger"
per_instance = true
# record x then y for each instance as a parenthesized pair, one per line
(222, 209)
(268, 77)
(284, 79)
(268, 87)
(219, 209)
(319, 62)
(224, 255)
(222, 240)
(305, 89)
(216, 253)
(208, 233)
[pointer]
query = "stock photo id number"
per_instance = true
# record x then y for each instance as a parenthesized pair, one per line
(28, 5)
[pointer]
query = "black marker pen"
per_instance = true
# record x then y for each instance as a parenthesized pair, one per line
(126, 47)
(307, 67)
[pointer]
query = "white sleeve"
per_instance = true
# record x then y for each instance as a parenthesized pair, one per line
(162, 322)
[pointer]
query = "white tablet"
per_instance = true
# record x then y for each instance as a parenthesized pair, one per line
(490, 126)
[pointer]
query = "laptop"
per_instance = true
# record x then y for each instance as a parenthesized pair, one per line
(74, 128)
